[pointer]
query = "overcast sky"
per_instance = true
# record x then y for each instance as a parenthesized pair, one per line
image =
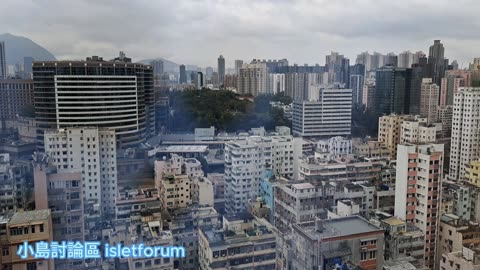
(197, 31)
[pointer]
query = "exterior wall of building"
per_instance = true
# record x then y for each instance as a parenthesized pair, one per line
(329, 116)
(92, 151)
(116, 95)
(417, 190)
(429, 95)
(465, 124)
(15, 95)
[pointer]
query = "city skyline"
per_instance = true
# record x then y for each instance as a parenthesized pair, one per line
(273, 29)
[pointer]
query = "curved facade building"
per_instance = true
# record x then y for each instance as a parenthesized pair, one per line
(108, 94)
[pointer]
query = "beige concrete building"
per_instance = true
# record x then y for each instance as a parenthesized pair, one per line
(175, 191)
(202, 191)
(370, 149)
(389, 132)
(429, 95)
(18, 227)
(419, 131)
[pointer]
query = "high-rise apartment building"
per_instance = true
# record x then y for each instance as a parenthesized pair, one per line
(105, 94)
(253, 79)
(465, 144)
(93, 152)
(429, 100)
(356, 84)
(405, 59)
(221, 69)
(445, 116)
(368, 95)
(454, 79)
(417, 131)
(157, 66)
(418, 185)
(238, 66)
(15, 95)
(3, 61)
(338, 68)
(329, 115)
(61, 191)
(276, 83)
(246, 162)
(436, 62)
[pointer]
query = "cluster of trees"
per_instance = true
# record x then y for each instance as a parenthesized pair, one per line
(224, 110)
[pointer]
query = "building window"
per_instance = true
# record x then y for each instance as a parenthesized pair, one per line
(5, 251)
(32, 266)
(363, 256)
(373, 254)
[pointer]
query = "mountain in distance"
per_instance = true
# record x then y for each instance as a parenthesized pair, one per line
(169, 66)
(17, 47)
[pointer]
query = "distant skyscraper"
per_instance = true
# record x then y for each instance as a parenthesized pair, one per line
(364, 59)
(27, 68)
(356, 84)
(221, 69)
(436, 61)
(238, 66)
(157, 66)
(338, 68)
(183, 75)
(405, 59)
(200, 80)
(3, 61)
(209, 73)
(391, 60)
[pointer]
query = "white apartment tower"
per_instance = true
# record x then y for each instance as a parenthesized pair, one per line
(429, 96)
(330, 115)
(246, 162)
(92, 151)
(465, 131)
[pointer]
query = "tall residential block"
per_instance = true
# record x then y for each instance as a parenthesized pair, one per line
(429, 100)
(253, 79)
(454, 79)
(356, 84)
(93, 152)
(329, 115)
(419, 175)
(368, 95)
(105, 94)
(465, 142)
(246, 162)
(183, 74)
(238, 66)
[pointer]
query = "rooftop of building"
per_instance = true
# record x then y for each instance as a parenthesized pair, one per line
(182, 148)
(239, 217)
(394, 221)
(338, 227)
(29, 216)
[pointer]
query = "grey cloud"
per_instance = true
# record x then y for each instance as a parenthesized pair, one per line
(196, 32)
